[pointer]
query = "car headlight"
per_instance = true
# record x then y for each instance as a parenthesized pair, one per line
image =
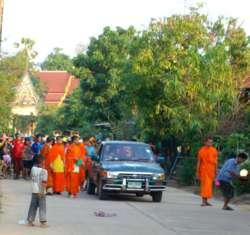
(112, 174)
(160, 176)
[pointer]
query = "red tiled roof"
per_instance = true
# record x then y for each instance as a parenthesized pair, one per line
(57, 83)
(54, 81)
(74, 84)
(53, 97)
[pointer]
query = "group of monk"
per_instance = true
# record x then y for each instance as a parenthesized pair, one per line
(66, 164)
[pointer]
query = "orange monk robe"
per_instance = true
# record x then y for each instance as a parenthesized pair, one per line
(45, 153)
(73, 154)
(206, 170)
(57, 159)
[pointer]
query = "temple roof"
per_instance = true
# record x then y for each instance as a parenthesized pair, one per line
(26, 100)
(58, 85)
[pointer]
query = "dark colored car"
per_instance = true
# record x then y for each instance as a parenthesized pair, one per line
(126, 167)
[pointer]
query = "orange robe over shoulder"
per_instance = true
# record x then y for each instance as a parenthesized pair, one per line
(207, 157)
(73, 173)
(57, 164)
(45, 153)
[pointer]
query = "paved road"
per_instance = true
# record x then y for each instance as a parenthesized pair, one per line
(179, 213)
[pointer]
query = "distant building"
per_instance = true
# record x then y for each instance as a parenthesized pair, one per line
(58, 85)
(26, 102)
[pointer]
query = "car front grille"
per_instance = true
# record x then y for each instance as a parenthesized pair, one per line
(134, 176)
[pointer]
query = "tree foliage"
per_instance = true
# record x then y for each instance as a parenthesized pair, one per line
(180, 77)
(57, 60)
(103, 94)
(183, 73)
(11, 70)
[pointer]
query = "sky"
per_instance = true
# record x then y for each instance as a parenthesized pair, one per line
(70, 23)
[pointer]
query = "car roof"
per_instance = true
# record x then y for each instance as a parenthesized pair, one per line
(123, 142)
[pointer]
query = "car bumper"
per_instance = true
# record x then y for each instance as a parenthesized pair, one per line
(123, 186)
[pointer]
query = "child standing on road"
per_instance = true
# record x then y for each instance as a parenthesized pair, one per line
(39, 178)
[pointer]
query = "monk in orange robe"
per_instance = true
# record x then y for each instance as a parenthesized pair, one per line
(207, 170)
(57, 164)
(75, 158)
(45, 153)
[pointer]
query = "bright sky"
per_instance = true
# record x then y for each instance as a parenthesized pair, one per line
(68, 23)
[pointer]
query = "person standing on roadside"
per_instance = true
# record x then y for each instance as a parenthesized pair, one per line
(37, 145)
(17, 154)
(207, 170)
(39, 178)
(27, 158)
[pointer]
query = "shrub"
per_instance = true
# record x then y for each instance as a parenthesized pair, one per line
(186, 171)
(231, 145)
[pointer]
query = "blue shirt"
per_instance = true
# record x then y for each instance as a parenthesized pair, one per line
(226, 170)
(36, 147)
(90, 151)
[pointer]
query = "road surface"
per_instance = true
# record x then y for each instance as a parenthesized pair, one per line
(179, 213)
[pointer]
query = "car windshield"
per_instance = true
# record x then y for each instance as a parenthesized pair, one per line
(128, 152)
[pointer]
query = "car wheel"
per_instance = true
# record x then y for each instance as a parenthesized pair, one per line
(90, 187)
(139, 195)
(157, 196)
(101, 194)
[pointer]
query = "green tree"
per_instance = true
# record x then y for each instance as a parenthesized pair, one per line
(103, 94)
(47, 121)
(11, 70)
(57, 60)
(182, 75)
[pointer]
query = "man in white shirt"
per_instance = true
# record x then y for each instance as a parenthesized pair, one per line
(39, 178)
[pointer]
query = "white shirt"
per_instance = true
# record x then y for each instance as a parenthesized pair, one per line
(38, 175)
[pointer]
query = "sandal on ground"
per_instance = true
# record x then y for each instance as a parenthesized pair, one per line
(209, 204)
(44, 225)
(228, 208)
(30, 224)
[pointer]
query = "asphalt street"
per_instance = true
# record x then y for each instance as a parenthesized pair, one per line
(179, 213)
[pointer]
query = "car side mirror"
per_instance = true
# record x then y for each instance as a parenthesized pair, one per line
(160, 159)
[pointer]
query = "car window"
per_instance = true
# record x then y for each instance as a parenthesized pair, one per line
(127, 152)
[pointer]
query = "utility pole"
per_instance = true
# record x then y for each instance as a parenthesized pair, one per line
(1, 23)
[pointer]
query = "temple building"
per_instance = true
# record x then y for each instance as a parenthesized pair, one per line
(57, 86)
(27, 101)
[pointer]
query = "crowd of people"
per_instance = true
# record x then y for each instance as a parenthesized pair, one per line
(58, 164)
(66, 160)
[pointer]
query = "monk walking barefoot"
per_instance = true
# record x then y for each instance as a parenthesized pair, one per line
(57, 160)
(207, 170)
(75, 158)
